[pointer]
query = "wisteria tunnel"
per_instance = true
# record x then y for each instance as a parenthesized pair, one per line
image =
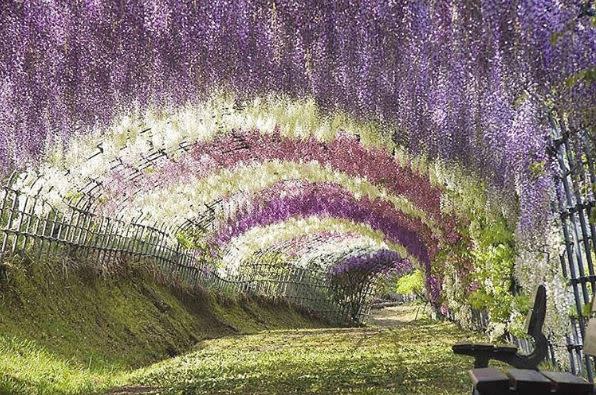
(312, 152)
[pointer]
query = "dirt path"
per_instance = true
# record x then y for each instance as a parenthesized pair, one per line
(395, 316)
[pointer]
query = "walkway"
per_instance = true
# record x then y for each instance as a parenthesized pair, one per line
(395, 354)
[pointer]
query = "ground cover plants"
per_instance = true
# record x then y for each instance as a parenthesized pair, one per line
(368, 360)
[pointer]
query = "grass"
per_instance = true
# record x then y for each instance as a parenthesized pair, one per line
(79, 333)
(395, 356)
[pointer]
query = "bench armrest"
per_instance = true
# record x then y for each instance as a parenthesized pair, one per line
(484, 352)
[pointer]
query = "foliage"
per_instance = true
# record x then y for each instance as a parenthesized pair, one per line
(494, 257)
(412, 283)
(521, 304)
(373, 122)
(587, 75)
(192, 239)
(184, 240)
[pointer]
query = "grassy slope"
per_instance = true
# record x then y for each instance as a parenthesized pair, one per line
(80, 333)
(397, 355)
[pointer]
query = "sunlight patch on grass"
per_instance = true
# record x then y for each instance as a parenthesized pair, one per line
(414, 358)
(28, 369)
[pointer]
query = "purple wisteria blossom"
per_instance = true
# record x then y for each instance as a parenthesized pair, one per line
(344, 154)
(377, 262)
(330, 201)
(423, 66)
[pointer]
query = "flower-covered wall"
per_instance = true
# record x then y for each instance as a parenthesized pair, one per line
(322, 133)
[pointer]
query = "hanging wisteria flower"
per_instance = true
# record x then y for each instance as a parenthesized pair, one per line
(416, 125)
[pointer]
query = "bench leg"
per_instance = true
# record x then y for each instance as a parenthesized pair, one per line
(481, 361)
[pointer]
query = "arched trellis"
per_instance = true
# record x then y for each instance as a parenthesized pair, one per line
(352, 270)
(89, 195)
(572, 151)
(88, 190)
(92, 192)
(201, 218)
(353, 298)
(318, 251)
(310, 253)
(89, 186)
(112, 239)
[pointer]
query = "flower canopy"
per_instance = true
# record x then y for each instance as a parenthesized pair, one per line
(402, 132)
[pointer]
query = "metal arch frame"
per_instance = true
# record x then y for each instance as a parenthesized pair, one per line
(321, 274)
(92, 188)
(149, 162)
(314, 242)
(148, 159)
(80, 227)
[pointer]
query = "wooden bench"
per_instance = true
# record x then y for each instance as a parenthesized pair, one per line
(491, 381)
(484, 352)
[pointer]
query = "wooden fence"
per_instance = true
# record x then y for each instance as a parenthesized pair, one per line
(30, 226)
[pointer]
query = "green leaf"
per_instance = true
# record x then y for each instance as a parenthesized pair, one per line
(587, 75)
(410, 284)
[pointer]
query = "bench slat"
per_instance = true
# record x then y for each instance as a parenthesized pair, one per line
(567, 383)
(530, 382)
(458, 347)
(489, 381)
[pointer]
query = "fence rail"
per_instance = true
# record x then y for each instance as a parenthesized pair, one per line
(573, 154)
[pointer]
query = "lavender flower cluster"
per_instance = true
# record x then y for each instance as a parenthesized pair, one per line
(450, 74)
(466, 82)
(377, 262)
